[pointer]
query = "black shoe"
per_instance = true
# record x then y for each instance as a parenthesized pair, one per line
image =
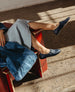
(52, 52)
(61, 25)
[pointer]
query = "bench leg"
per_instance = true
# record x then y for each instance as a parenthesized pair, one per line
(10, 83)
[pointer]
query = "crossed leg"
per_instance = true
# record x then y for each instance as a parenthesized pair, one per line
(56, 27)
(41, 27)
(44, 52)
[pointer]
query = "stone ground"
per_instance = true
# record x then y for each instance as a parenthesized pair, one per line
(60, 76)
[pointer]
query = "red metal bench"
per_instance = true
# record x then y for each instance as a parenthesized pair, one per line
(39, 68)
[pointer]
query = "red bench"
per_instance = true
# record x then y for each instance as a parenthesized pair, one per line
(39, 68)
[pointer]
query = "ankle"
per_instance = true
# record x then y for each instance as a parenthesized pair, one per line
(45, 51)
(52, 26)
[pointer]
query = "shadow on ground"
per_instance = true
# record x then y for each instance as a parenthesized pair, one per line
(28, 77)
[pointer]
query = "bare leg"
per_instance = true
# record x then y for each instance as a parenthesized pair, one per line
(43, 26)
(44, 52)
(46, 26)
(49, 26)
(38, 46)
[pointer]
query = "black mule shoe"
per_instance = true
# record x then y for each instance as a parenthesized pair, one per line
(52, 52)
(61, 25)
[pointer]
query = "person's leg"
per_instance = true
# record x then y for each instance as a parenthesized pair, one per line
(44, 52)
(56, 27)
(43, 26)
(39, 46)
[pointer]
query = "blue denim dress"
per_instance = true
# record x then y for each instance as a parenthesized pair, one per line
(17, 58)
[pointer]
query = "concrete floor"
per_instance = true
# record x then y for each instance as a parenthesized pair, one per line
(60, 76)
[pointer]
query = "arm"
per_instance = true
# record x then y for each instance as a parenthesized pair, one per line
(2, 38)
(3, 29)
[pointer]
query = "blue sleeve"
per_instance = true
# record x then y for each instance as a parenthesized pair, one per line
(2, 27)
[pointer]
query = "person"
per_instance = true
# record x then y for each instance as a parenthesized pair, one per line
(20, 32)
(16, 42)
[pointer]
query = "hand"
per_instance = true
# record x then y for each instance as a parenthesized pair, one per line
(2, 38)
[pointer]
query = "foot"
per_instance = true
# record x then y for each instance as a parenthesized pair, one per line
(52, 52)
(61, 25)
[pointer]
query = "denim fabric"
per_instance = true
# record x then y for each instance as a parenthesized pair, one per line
(17, 58)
